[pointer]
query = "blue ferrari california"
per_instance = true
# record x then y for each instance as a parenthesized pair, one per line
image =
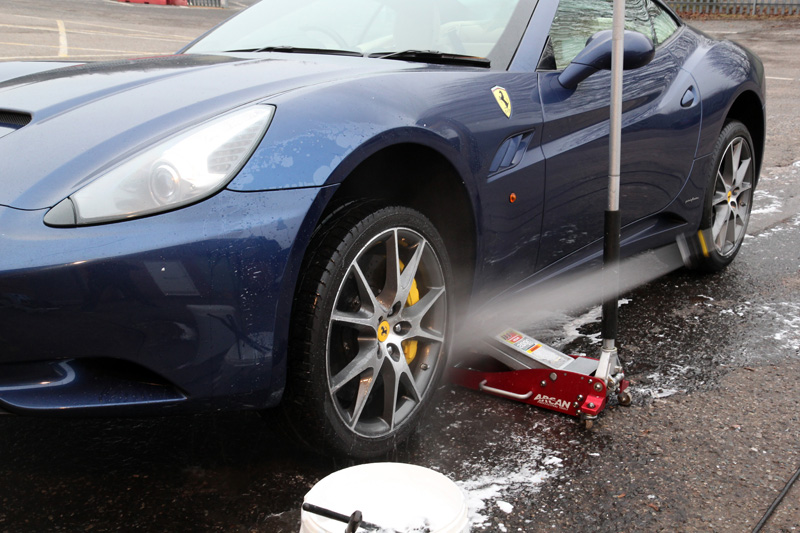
(296, 210)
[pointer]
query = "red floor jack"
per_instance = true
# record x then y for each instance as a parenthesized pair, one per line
(521, 368)
(540, 375)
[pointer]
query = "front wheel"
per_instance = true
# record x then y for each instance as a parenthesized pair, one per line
(370, 331)
(729, 197)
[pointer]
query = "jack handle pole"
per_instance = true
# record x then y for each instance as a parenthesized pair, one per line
(611, 243)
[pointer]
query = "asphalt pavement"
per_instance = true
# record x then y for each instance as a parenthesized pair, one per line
(709, 442)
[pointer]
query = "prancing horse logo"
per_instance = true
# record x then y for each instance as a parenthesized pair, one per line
(383, 331)
(503, 100)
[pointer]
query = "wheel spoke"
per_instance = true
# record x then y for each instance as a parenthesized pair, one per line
(365, 291)
(722, 183)
(720, 227)
(736, 156)
(391, 386)
(409, 273)
(730, 235)
(388, 295)
(364, 318)
(726, 170)
(740, 213)
(739, 227)
(407, 379)
(360, 321)
(741, 173)
(744, 195)
(743, 201)
(365, 387)
(415, 313)
(365, 361)
(397, 375)
(425, 335)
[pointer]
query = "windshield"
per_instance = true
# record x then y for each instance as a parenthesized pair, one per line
(463, 27)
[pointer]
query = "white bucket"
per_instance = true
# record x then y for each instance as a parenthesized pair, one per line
(394, 496)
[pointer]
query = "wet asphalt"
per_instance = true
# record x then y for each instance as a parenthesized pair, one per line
(710, 440)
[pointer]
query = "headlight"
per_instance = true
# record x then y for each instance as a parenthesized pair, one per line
(176, 172)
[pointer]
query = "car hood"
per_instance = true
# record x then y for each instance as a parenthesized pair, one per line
(60, 127)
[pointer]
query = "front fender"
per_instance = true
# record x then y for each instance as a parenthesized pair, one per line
(312, 143)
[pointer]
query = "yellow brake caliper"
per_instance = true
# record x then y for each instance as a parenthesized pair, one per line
(410, 346)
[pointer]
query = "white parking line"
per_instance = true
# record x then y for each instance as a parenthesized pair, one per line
(74, 57)
(168, 38)
(109, 27)
(100, 52)
(171, 39)
(781, 79)
(5, 43)
(23, 27)
(63, 50)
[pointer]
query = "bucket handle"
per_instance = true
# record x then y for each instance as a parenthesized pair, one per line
(353, 521)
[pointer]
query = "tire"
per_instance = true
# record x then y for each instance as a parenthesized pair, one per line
(367, 348)
(729, 197)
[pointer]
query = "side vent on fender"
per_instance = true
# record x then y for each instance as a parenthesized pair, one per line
(510, 152)
(12, 121)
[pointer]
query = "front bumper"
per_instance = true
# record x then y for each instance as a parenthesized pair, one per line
(183, 310)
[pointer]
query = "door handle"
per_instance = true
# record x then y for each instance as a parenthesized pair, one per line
(688, 97)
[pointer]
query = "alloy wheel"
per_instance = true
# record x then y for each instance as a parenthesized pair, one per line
(386, 332)
(733, 191)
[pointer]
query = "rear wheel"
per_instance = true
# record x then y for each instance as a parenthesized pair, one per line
(370, 331)
(729, 197)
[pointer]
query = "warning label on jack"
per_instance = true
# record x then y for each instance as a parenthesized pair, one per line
(533, 349)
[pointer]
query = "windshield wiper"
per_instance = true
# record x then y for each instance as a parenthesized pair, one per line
(433, 56)
(301, 50)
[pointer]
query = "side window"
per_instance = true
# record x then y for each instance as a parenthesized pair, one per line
(577, 20)
(663, 23)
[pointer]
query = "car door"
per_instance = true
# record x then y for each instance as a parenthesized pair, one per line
(661, 124)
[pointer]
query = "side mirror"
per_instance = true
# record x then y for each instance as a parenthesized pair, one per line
(639, 51)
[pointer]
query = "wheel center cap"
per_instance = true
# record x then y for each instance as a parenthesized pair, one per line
(383, 331)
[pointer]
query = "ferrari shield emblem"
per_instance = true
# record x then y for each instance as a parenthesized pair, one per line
(501, 95)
